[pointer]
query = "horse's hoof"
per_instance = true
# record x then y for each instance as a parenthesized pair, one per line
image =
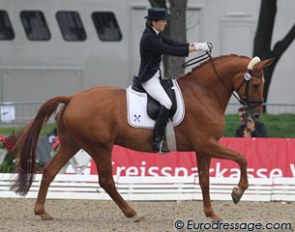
(45, 217)
(137, 218)
(236, 198)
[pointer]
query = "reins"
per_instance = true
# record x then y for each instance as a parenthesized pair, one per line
(207, 56)
(198, 59)
(247, 78)
(223, 83)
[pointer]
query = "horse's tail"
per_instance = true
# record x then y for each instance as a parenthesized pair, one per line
(27, 142)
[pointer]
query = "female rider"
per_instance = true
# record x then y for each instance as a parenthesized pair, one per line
(153, 45)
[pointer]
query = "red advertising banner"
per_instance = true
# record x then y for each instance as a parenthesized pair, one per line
(267, 158)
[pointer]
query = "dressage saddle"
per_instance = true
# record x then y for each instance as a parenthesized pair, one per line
(153, 107)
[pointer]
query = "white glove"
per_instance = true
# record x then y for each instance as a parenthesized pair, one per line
(202, 47)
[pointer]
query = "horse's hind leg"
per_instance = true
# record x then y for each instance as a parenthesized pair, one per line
(103, 160)
(66, 151)
(203, 162)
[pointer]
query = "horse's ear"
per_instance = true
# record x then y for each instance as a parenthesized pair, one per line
(264, 63)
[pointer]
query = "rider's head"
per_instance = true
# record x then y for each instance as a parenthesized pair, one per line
(157, 18)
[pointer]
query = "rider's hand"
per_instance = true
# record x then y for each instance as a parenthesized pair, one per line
(202, 47)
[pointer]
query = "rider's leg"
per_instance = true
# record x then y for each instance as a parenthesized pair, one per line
(159, 130)
(154, 88)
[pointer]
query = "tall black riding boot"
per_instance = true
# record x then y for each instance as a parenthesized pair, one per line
(159, 129)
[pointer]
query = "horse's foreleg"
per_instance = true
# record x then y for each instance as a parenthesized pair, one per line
(50, 171)
(103, 160)
(216, 150)
(203, 170)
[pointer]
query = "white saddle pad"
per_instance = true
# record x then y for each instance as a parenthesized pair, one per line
(137, 105)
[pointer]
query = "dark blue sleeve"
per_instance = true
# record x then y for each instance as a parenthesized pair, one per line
(174, 43)
(164, 46)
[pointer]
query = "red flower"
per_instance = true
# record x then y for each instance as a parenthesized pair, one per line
(6, 143)
(9, 145)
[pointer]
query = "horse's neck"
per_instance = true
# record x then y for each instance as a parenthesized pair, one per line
(205, 84)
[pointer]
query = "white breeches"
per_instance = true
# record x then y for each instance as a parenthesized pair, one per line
(154, 88)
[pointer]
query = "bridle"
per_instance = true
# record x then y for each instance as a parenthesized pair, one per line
(245, 100)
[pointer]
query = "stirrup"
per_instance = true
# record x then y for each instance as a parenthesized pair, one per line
(160, 147)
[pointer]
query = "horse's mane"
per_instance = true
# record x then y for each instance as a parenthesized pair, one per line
(213, 60)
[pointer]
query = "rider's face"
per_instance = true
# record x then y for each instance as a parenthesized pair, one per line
(160, 25)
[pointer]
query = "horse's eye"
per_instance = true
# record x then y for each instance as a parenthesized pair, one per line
(255, 86)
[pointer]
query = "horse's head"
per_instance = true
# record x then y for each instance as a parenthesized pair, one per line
(249, 85)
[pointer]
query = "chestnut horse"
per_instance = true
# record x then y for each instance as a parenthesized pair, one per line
(96, 119)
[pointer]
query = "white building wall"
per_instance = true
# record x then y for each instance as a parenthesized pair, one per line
(229, 24)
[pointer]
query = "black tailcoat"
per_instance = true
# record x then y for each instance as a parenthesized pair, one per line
(152, 47)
